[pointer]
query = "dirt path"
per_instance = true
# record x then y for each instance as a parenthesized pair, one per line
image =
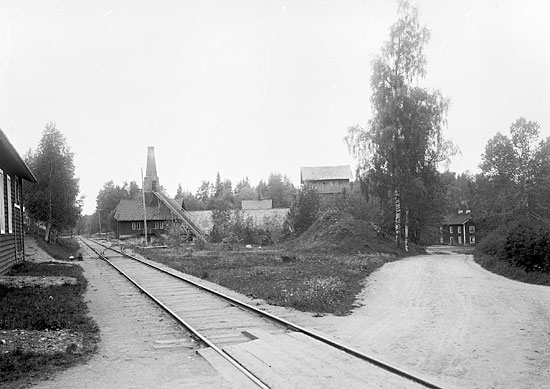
(445, 316)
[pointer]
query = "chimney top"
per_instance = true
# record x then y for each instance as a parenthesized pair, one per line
(151, 180)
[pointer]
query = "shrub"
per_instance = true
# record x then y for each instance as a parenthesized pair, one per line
(221, 221)
(494, 243)
(528, 246)
(303, 211)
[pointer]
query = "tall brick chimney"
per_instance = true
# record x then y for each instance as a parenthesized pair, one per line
(151, 180)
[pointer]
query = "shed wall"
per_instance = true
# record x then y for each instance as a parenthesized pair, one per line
(11, 244)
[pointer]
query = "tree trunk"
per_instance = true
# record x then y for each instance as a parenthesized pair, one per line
(397, 218)
(47, 235)
(406, 228)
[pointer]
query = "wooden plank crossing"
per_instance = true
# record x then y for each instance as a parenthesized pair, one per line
(233, 376)
(285, 361)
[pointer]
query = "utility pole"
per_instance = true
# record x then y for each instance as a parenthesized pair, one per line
(99, 218)
(144, 208)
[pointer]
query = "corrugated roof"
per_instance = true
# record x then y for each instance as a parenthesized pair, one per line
(456, 219)
(342, 172)
(132, 210)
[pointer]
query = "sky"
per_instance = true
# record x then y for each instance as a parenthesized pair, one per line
(245, 87)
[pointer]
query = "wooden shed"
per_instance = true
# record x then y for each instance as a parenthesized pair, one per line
(159, 210)
(13, 171)
(327, 180)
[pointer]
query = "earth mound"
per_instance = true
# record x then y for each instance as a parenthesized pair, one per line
(340, 231)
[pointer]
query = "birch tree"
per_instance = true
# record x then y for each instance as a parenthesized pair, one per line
(400, 149)
(53, 200)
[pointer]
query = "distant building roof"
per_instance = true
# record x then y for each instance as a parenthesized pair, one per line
(342, 172)
(11, 158)
(132, 210)
(457, 219)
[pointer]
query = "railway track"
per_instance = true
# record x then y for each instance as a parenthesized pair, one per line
(250, 347)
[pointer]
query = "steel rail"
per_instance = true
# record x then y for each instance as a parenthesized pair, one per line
(356, 353)
(203, 339)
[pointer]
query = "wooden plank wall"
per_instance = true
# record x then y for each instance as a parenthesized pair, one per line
(8, 241)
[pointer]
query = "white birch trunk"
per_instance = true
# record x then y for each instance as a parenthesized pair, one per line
(397, 217)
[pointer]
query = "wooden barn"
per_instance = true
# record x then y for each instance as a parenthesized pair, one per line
(458, 229)
(327, 180)
(13, 171)
(160, 210)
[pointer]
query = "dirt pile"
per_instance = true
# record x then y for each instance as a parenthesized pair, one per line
(340, 231)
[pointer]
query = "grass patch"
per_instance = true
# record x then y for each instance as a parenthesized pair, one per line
(320, 283)
(62, 249)
(44, 309)
(504, 268)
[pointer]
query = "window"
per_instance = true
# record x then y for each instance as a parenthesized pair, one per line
(10, 210)
(459, 239)
(159, 225)
(2, 210)
(472, 229)
(472, 239)
(460, 229)
(17, 189)
(451, 229)
(136, 226)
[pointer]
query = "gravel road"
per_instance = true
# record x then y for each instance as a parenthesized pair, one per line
(447, 317)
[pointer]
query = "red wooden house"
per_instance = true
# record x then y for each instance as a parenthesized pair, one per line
(13, 171)
(458, 229)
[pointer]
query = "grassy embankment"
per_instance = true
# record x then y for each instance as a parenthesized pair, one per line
(504, 268)
(320, 283)
(52, 309)
(491, 254)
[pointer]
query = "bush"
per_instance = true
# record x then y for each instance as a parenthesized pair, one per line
(494, 243)
(528, 246)
(221, 221)
(303, 211)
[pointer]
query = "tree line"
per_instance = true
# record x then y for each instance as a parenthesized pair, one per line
(216, 195)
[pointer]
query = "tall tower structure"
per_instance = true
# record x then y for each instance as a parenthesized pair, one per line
(151, 180)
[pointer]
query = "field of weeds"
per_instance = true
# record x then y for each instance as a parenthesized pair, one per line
(43, 329)
(319, 283)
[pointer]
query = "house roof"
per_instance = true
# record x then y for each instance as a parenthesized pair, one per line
(342, 172)
(454, 219)
(10, 158)
(132, 210)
